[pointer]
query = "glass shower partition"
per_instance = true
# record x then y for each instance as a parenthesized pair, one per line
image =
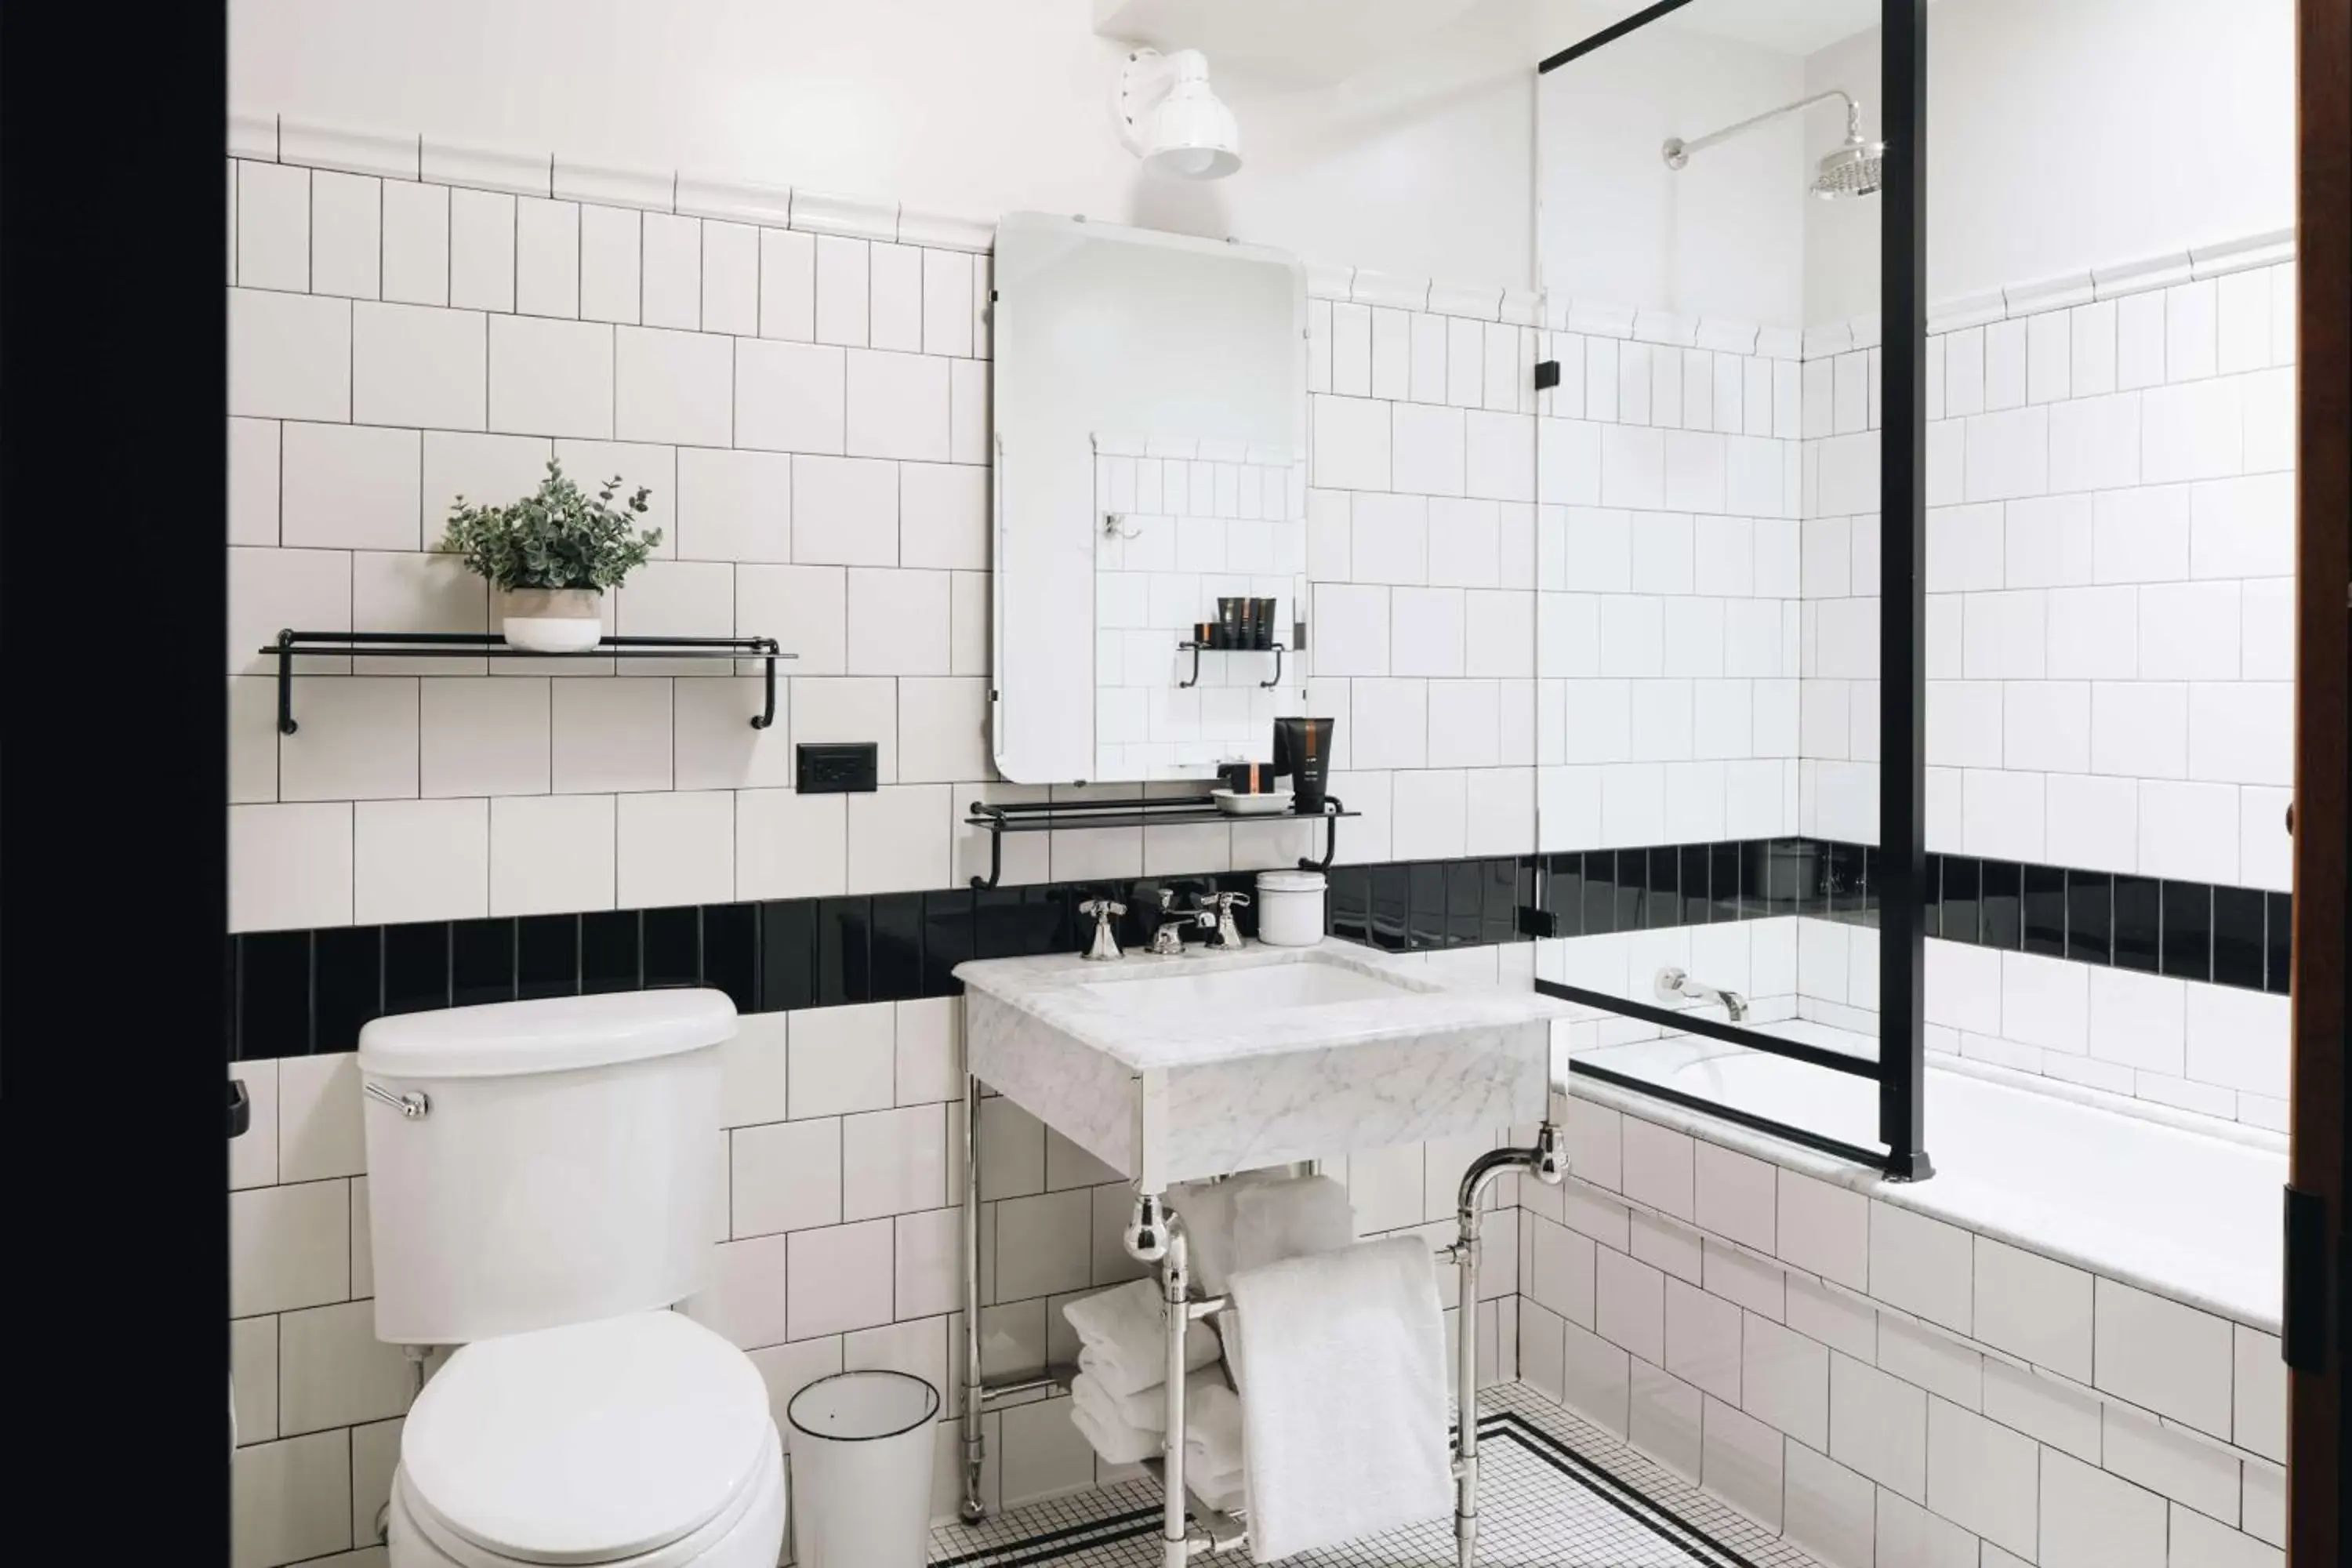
(1730, 762)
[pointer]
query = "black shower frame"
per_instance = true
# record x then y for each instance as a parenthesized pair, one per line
(1900, 1070)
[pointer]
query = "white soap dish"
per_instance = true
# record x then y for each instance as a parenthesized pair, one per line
(1272, 803)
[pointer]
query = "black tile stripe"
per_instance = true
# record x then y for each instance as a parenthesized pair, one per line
(299, 992)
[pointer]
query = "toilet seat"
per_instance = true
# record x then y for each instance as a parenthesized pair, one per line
(635, 1439)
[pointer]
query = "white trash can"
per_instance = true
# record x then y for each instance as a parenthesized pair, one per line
(862, 1454)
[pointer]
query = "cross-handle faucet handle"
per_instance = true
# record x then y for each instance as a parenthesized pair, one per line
(1103, 947)
(1229, 935)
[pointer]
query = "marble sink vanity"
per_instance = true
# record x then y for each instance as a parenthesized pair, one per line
(1171, 1069)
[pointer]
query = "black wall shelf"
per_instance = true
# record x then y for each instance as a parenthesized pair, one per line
(293, 644)
(1176, 811)
(1197, 648)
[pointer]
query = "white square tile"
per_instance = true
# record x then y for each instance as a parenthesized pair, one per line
(785, 1176)
(333, 1372)
(290, 1500)
(1703, 1340)
(547, 257)
(1742, 1462)
(731, 278)
(318, 1130)
(1429, 447)
(549, 378)
(253, 482)
(845, 512)
(1921, 1264)
(2008, 454)
(1351, 443)
(412, 365)
(734, 505)
(2168, 1358)
(788, 285)
(894, 1162)
(2243, 527)
(1982, 1475)
(746, 1300)
(897, 407)
(676, 848)
(673, 271)
(1734, 1196)
(895, 274)
(1658, 1167)
(611, 735)
(967, 413)
(420, 860)
(289, 356)
(346, 235)
(2239, 1039)
(1878, 1425)
(481, 249)
(943, 515)
(1629, 1304)
(898, 622)
(949, 301)
(1827, 1509)
(273, 226)
(2241, 731)
(550, 854)
(1785, 1380)
(899, 838)
(611, 264)
(2194, 431)
(672, 386)
(2259, 1421)
(357, 742)
(840, 1278)
(790, 845)
(290, 1247)
(347, 487)
(2189, 831)
(1824, 1228)
(2090, 1518)
(853, 709)
(842, 298)
(789, 397)
(483, 737)
(2045, 1002)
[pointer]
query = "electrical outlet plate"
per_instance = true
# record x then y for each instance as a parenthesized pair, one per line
(836, 768)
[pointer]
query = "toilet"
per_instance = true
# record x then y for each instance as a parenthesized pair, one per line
(545, 1181)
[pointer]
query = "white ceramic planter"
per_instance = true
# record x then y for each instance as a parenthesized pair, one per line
(552, 620)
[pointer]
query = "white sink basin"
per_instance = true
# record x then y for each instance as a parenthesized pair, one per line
(1172, 1068)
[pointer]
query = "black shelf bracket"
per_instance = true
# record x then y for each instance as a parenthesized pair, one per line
(1197, 648)
(292, 644)
(1068, 816)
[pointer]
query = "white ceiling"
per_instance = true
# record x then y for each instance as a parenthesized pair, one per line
(1301, 40)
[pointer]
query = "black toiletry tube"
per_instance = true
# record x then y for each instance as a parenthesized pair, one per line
(1302, 747)
(1229, 621)
(1262, 623)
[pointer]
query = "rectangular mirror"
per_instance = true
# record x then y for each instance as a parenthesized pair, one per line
(1150, 392)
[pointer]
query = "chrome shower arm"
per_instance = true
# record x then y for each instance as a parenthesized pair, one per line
(1677, 152)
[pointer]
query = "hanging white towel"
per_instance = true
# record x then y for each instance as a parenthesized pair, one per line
(1343, 1395)
(1256, 1219)
(1121, 1339)
(1118, 1442)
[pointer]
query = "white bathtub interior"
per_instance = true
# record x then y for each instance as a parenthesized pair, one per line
(2188, 1214)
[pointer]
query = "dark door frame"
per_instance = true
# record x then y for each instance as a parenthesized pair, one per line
(2317, 1298)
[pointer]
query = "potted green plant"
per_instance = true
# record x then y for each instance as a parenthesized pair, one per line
(551, 556)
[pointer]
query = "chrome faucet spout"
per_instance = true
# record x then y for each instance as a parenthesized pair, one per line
(1674, 985)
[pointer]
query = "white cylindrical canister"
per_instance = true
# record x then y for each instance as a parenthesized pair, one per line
(1290, 907)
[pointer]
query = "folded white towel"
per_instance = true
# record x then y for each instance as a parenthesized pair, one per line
(1356, 1331)
(1213, 1433)
(1117, 1441)
(1120, 1332)
(1256, 1219)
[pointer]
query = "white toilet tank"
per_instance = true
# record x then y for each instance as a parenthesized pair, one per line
(553, 1162)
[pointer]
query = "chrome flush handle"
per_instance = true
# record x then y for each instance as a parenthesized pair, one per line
(414, 1106)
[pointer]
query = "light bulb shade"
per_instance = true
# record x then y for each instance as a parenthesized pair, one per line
(1168, 116)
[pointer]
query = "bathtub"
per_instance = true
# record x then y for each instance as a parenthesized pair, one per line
(2184, 1212)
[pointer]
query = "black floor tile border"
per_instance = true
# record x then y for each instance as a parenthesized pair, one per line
(303, 991)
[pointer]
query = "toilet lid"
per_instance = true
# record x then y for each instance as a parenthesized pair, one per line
(586, 1443)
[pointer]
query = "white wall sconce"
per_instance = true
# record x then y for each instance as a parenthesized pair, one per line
(1168, 116)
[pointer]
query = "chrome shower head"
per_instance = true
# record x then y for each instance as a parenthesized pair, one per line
(1857, 168)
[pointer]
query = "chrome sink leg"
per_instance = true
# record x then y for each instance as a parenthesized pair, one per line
(975, 1444)
(1155, 1234)
(1547, 1161)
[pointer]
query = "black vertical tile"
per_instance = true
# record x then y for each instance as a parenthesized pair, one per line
(787, 955)
(997, 927)
(2139, 922)
(1808, 872)
(1633, 888)
(1843, 880)
(2044, 905)
(673, 946)
(481, 962)
(1723, 881)
(2188, 942)
(611, 957)
(1347, 904)
(1599, 892)
(273, 994)
(1050, 920)
(547, 956)
(1498, 909)
(1662, 904)
(1872, 864)
(1698, 898)
(1931, 896)
(1425, 894)
(1564, 893)
(2238, 958)
(897, 947)
(946, 940)
(730, 953)
(2002, 911)
(347, 978)
(417, 967)
(1963, 899)
(1755, 879)
(1392, 908)
(2090, 916)
(843, 951)
(1465, 904)
(2278, 928)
